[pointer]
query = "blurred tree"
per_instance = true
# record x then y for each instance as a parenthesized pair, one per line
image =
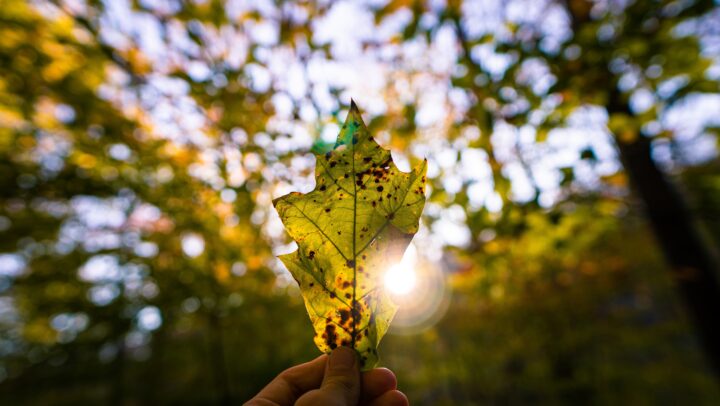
(105, 215)
(611, 52)
(693, 261)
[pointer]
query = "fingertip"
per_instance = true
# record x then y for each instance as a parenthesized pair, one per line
(391, 398)
(293, 382)
(314, 367)
(317, 360)
(378, 381)
(343, 358)
(398, 398)
(389, 376)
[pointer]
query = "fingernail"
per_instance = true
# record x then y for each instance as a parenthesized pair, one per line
(342, 358)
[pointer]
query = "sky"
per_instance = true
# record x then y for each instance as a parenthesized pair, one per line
(381, 78)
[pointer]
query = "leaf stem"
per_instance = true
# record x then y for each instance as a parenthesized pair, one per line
(353, 310)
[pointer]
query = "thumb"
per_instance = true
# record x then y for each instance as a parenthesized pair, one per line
(342, 376)
(341, 384)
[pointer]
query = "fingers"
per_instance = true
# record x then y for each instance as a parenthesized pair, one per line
(391, 398)
(376, 382)
(341, 384)
(291, 384)
(339, 380)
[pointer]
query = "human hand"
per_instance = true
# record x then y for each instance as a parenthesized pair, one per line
(333, 380)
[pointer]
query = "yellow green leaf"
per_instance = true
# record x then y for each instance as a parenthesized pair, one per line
(356, 223)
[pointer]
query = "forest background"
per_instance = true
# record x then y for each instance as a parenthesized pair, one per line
(567, 252)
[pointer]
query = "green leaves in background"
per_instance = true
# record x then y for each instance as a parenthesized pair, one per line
(355, 224)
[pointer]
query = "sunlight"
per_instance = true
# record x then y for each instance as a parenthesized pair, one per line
(400, 279)
(417, 286)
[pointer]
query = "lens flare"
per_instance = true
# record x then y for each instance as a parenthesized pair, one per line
(418, 287)
(400, 279)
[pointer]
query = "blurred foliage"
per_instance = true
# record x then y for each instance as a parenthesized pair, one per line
(137, 245)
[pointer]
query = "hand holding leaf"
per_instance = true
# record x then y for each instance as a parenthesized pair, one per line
(349, 230)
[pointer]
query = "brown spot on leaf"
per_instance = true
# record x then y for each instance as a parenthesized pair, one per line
(330, 336)
(344, 316)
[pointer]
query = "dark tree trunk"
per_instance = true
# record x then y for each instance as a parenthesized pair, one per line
(217, 352)
(117, 393)
(690, 256)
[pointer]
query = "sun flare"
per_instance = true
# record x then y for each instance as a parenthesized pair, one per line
(400, 279)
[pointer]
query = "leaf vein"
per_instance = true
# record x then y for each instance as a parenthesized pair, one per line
(319, 229)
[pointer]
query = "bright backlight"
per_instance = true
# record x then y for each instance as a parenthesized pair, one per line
(400, 279)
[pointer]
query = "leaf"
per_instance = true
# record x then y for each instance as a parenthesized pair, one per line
(357, 222)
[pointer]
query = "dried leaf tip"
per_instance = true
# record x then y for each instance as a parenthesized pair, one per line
(353, 106)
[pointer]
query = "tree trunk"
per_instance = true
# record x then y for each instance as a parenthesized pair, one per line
(689, 255)
(217, 353)
(117, 392)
